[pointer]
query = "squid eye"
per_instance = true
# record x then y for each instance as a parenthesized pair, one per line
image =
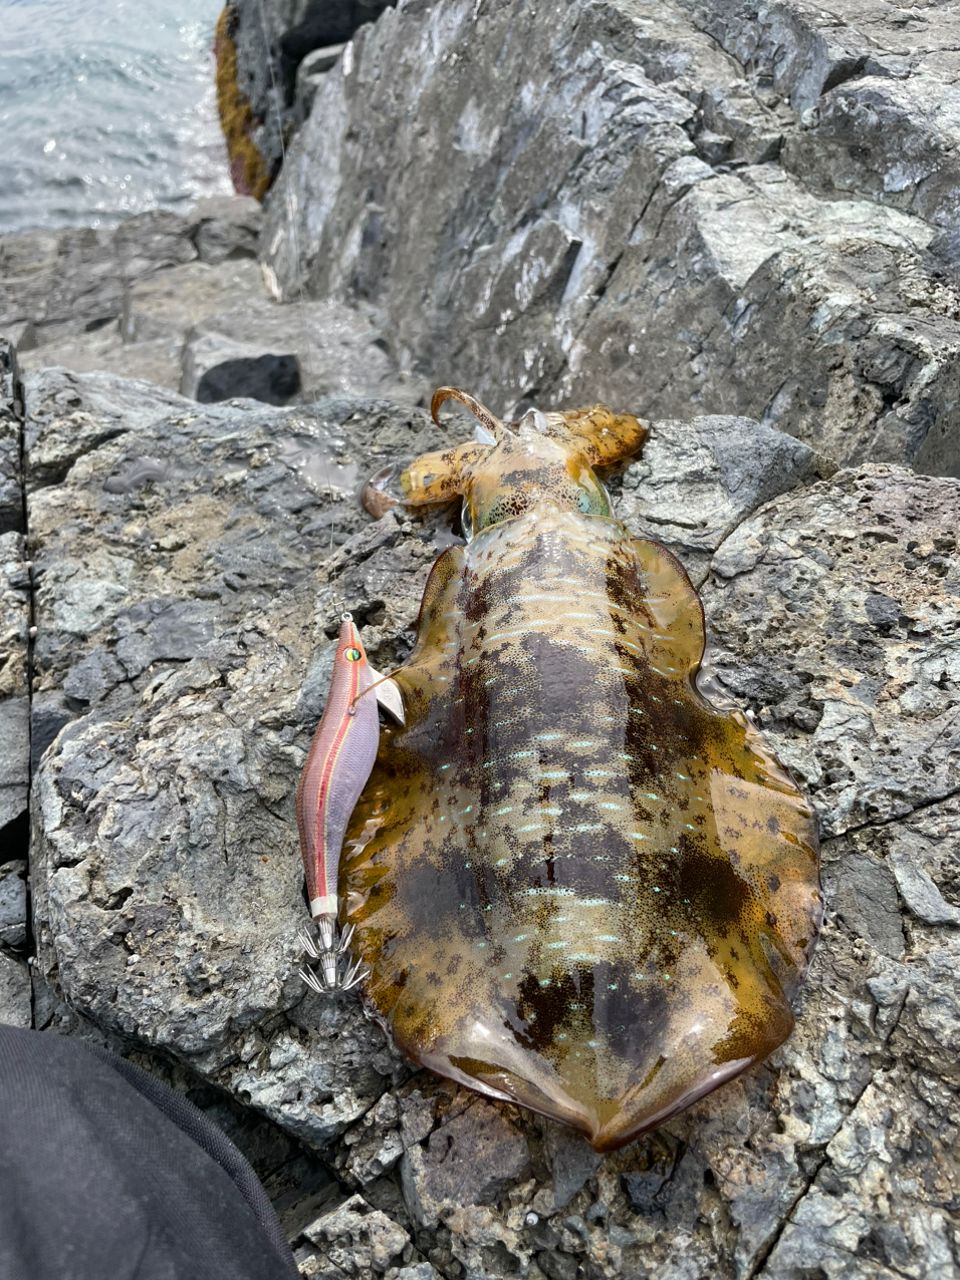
(466, 520)
(592, 497)
(352, 655)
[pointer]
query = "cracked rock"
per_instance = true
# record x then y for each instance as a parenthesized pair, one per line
(121, 300)
(13, 903)
(14, 605)
(469, 1159)
(322, 348)
(702, 208)
(357, 1239)
(15, 999)
(834, 613)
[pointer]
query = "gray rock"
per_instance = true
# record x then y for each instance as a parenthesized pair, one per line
(189, 311)
(568, 201)
(416, 1271)
(357, 1239)
(696, 481)
(572, 1162)
(14, 608)
(838, 630)
(104, 351)
(72, 281)
(13, 904)
(80, 298)
(165, 304)
(309, 73)
(226, 227)
(328, 348)
(176, 563)
(862, 892)
(374, 1146)
(920, 893)
(14, 757)
(15, 1008)
(11, 397)
(469, 1159)
(72, 415)
(271, 41)
(59, 281)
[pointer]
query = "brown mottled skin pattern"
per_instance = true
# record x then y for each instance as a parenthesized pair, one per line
(578, 886)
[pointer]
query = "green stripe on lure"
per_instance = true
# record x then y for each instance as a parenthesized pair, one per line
(574, 883)
(338, 765)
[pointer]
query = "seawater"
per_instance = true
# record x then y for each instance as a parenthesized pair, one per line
(107, 108)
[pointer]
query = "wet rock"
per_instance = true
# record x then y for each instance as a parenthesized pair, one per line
(863, 892)
(572, 1162)
(13, 904)
(270, 42)
(573, 200)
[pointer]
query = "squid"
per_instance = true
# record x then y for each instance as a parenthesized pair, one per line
(564, 877)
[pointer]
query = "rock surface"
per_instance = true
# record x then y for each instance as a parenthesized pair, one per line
(270, 43)
(327, 347)
(698, 212)
(185, 606)
(15, 1007)
(704, 207)
(13, 904)
(182, 302)
(14, 612)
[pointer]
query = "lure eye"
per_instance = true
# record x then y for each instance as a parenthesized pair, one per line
(352, 655)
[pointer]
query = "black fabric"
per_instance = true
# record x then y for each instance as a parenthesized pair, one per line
(105, 1174)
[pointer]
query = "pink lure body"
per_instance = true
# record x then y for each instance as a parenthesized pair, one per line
(338, 765)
